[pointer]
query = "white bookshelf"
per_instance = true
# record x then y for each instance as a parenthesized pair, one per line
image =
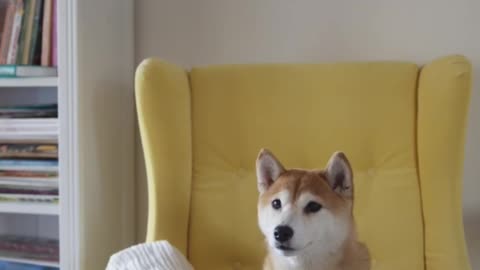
(29, 218)
(29, 82)
(29, 208)
(94, 90)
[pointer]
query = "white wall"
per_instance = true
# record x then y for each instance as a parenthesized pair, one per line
(193, 32)
(104, 121)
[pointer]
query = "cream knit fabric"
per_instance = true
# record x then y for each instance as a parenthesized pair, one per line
(150, 256)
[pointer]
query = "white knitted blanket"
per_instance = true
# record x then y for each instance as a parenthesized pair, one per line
(149, 256)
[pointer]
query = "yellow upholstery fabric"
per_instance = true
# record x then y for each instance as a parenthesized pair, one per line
(402, 128)
(443, 96)
(164, 118)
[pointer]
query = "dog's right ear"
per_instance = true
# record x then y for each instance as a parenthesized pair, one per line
(268, 170)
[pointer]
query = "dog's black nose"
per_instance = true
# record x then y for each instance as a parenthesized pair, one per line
(283, 233)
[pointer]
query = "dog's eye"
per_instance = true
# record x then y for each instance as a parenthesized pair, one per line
(312, 207)
(276, 204)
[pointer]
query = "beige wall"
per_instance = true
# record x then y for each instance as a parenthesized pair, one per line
(194, 32)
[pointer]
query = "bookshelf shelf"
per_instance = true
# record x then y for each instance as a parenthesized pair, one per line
(27, 261)
(29, 208)
(29, 82)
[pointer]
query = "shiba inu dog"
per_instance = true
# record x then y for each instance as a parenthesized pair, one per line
(306, 216)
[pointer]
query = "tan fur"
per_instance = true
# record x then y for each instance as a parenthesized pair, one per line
(353, 255)
(299, 181)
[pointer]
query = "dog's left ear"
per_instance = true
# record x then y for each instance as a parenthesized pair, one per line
(339, 175)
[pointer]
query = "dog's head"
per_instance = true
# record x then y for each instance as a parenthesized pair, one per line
(300, 209)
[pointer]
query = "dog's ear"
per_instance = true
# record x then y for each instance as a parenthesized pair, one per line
(339, 175)
(268, 170)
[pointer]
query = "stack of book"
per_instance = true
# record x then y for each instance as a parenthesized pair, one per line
(22, 266)
(28, 44)
(30, 248)
(29, 154)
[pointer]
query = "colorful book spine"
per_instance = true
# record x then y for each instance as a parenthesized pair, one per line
(54, 60)
(27, 190)
(21, 266)
(28, 151)
(27, 29)
(7, 31)
(36, 33)
(17, 26)
(3, 11)
(25, 163)
(8, 70)
(46, 33)
(21, 39)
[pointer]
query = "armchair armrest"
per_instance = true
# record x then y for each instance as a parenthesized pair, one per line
(163, 103)
(443, 98)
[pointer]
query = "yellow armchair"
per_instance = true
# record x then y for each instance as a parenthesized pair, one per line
(401, 126)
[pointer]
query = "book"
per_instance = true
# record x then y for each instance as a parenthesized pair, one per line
(6, 32)
(28, 190)
(28, 122)
(29, 165)
(26, 36)
(18, 129)
(29, 137)
(44, 137)
(27, 150)
(31, 106)
(46, 34)
(3, 11)
(28, 114)
(7, 265)
(21, 39)
(19, 132)
(36, 42)
(29, 111)
(29, 179)
(14, 128)
(17, 26)
(9, 134)
(30, 182)
(54, 61)
(28, 176)
(28, 247)
(12, 71)
(29, 198)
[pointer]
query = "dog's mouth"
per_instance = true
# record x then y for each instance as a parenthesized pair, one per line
(285, 248)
